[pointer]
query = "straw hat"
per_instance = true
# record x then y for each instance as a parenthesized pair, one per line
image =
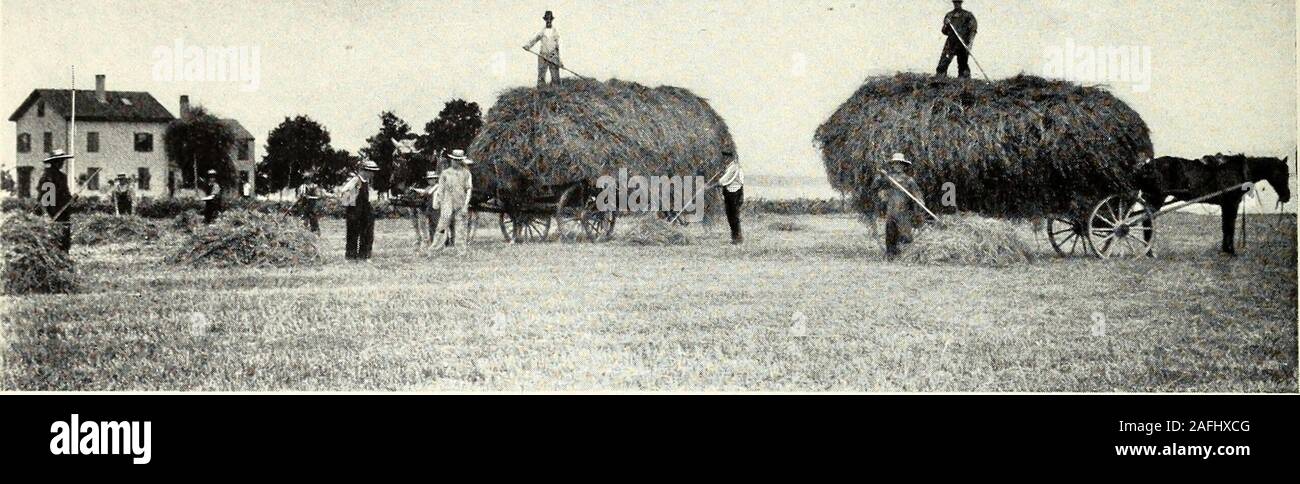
(459, 155)
(899, 158)
(429, 175)
(370, 166)
(57, 156)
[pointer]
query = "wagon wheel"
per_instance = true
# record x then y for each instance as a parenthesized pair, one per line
(1119, 225)
(602, 224)
(1068, 236)
(531, 227)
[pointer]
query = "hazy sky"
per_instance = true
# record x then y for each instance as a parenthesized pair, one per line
(1222, 71)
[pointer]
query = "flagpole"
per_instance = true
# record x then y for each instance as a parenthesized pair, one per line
(72, 135)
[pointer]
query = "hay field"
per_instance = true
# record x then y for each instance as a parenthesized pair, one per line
(806, 305)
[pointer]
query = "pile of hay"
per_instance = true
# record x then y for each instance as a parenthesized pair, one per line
(1021, 147)
(968, 240)
(34, 264)
(650, 230)
(102, 228)
(246, 238)
(583, 129)
(187, 221)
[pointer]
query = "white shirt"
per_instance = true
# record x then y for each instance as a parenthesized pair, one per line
(733, 179)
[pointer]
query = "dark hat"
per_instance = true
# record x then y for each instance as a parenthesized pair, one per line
(548, 16)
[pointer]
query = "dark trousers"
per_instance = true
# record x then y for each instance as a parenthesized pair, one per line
(64, 230)
(310, 217)
(954, 49)
(733, 201)
(123, 205)
(898, 232)
(211, 209)
(360, 232)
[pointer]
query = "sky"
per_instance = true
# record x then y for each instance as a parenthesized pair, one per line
(1222, 72)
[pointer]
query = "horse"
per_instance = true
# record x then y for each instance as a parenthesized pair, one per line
(1185, 179)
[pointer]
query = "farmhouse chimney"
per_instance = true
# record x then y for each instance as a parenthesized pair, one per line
(100, 94)
(185, 105)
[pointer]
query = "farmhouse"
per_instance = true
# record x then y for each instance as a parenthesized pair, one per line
(117, 132)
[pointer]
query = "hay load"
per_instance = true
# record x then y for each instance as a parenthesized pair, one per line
(34, 263)
(248, 238)
(582, 129)
(968, 240)
(1020, 148)
(103, 228)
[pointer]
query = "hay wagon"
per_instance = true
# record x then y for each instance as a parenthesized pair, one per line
(1120, 225)
(565, 212)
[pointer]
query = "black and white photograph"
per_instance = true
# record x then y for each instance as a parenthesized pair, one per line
(667, 197)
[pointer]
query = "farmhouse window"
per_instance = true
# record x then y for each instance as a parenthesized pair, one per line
(92, 142)
(24, 143)
(144, 142)
(92, 178)
(47, 141)
(40, 109)
(25, 181)
(142, 176)
(244, 149)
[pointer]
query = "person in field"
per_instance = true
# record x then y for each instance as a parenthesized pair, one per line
(902, 214)
(732, 183)
(454, 189)
(356, 196)
(54, 196)
(211, 197)
(123, 195)
(959, 26)
(309, 196)
(427, 219)
(549, 58)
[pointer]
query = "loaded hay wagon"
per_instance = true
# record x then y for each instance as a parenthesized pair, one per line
(1020, 148)
(541, 151)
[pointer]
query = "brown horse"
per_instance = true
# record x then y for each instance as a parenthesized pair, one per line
(1185, 179)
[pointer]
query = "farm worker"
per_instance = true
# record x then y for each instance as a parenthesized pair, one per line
(355, 196)
(901, 213)
(454, 190)
(309, 195)
(732, 183)
(432, 203)
(123, 195)
(55, 196)
(965, 29)
(549, 58)
(211, 197)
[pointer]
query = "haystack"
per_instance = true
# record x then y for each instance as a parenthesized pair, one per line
(651, 230)
(968, 240)
(248, 238)
(102, 228)
(1021, 147)
(582, 129)
(34, 263)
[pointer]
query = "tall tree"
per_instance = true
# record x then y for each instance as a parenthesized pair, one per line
(296, 146)
(453, 129)
(198, 142)
(380, 149)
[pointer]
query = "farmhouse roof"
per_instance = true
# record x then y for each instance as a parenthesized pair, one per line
(118, 105)
(236, 129)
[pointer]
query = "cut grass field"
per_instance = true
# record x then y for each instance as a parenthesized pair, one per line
(790, 310)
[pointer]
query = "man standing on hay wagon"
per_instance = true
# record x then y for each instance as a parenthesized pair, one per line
(454, 189)
(355, 196)
(902, 214)
(56, 198)
(960, 26)
(211, 197)
(123, 195)
(548, 58)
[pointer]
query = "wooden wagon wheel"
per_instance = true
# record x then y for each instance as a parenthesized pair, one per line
(577, 219)
(1068, 236)
(531, 227)
(1119, 227)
